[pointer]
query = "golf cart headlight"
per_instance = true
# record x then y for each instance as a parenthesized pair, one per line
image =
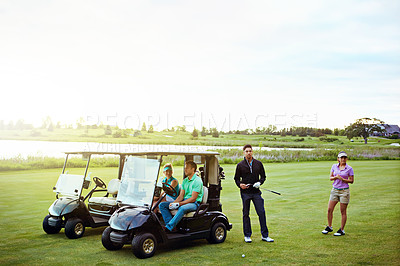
(87, 181)
(86, 184)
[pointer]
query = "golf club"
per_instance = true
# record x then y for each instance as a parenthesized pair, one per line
(271, 191)
(266, 189)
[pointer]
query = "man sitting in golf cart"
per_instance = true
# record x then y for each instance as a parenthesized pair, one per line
(189, 198)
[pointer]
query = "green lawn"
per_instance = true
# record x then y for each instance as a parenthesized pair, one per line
(295, 220)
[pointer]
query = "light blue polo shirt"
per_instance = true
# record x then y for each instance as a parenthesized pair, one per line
(193, 185)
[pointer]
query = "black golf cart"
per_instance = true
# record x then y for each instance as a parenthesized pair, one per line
(136, 222)
(70, 211)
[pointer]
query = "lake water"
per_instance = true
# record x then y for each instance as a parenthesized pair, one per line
(14, 148)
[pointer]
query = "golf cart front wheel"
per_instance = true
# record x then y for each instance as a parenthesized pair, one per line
(217, 234)
(106, 240)
(144, 245)
(74, 228)
(51, 229)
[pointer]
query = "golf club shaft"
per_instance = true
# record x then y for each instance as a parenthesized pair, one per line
(271, 191)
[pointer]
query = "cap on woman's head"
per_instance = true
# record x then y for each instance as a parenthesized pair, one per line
(342, 154)
(168, 166)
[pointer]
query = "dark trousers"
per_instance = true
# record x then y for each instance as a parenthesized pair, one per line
(258, 202)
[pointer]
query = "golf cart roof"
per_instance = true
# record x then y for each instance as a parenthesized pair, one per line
(164, 153)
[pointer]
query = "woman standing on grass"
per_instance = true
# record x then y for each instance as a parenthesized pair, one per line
(342, 175)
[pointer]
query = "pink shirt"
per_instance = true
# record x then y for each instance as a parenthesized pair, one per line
(345, 173)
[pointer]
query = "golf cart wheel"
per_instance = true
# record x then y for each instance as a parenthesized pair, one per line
(50, 229)
(217, 234)
(74, 228)
(106, 241)
(144, 245)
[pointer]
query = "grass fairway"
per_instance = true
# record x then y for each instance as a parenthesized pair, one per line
(295, 220)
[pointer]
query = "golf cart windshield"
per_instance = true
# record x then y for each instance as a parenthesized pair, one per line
(69, 185)
(138, 181)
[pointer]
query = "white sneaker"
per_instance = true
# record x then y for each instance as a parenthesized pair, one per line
(327, 230)
(268, 239)
(247, 239)
(340, 232)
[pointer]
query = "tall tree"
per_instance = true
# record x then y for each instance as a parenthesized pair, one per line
(80, 123)
(270, 130)
(108, 130)
(46, 122)
(195, 133)
(364, 127)
(214, 132)
(203, 132)
(20, 124)
(336, 132)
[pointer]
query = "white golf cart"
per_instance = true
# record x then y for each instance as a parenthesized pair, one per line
(70, 211)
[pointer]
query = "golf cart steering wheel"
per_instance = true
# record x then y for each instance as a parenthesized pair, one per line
(100, 183)
(170, 190)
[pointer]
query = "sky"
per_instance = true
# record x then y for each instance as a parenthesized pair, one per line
(224, 64)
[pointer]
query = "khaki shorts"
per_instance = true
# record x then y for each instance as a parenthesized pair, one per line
(340, 195)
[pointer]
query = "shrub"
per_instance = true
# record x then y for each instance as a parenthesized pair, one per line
(108, 130)
(394, 136)
(215, 133)
(204, 132)
(35, 133)
(195, 133)
(326, 139)
(120, 134)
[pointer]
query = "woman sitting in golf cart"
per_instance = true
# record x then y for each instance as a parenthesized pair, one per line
(168, 181)
(171, 181)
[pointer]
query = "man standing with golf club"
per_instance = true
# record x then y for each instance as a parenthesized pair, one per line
(249, 176)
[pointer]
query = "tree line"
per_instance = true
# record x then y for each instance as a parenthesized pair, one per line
(363, 127)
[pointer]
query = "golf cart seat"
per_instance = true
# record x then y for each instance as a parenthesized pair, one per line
(113, 187)
(201, 209)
